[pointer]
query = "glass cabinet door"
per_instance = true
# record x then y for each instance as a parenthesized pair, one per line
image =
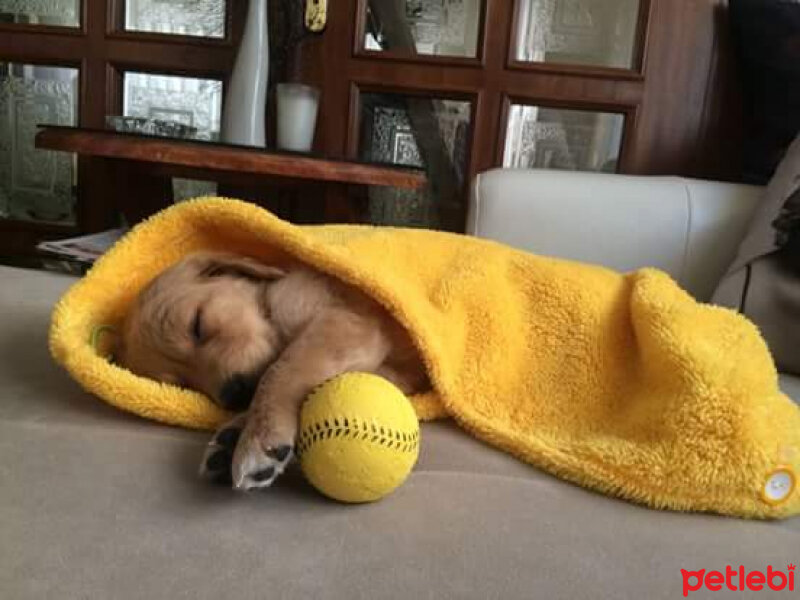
(64, 13)
(202, 18)
(428, 132)
(421, 27)
(599, 33)
(190, 101)
(543, 137)
(36, 185)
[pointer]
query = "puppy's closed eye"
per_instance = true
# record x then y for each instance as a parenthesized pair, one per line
(197, 328)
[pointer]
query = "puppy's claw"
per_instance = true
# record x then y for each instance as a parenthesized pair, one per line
(280, 453)
(218, 454)
(256, 467)
(218, 461)
(228, 437)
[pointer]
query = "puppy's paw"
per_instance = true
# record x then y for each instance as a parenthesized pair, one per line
(257, 464)
(218, 455)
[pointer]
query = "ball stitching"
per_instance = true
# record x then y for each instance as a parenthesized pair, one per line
(356, 429)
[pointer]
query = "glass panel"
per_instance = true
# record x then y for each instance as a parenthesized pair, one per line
(36, 184)
(582, 32)
(557, 138)
(429, 27)
(186, 100)
(417, 131)
(41, 12)
(202, 18)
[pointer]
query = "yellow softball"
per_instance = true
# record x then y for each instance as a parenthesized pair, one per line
(359, 438)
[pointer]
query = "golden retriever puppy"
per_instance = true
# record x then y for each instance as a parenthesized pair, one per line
(251, 335)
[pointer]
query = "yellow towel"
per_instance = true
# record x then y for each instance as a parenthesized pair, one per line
(621, 383)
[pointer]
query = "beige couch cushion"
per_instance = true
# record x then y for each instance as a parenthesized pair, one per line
(686, 227)
(95, 503)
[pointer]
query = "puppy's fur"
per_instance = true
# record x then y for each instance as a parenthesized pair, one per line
(239, 331)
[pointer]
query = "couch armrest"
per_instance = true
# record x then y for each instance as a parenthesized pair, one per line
(689, 228)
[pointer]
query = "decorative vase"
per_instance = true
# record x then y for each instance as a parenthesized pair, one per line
(245, 100)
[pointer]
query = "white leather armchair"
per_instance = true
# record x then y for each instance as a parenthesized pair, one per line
(686, 227)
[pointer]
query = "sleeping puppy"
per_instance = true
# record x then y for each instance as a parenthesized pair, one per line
(257, 338)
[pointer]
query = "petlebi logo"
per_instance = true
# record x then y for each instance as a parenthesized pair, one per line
(738, 580)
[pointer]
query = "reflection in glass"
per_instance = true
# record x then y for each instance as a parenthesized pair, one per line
(581, 32)
(65, 13)
(187, 100)
(429, 27)
(557, 138)
(202, 18)
(193, 102)
(36, 184)
(421, 132)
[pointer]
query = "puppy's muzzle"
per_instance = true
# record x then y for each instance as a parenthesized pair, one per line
(237, 393)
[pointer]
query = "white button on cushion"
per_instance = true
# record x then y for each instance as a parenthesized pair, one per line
(779, 485)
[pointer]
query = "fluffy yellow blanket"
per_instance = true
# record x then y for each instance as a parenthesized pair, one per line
(621, 383)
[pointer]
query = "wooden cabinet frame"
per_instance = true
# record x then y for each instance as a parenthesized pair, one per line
(101, 50)
(489, 81)
(639, 52)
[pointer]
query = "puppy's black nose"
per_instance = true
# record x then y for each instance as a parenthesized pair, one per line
(237, 393)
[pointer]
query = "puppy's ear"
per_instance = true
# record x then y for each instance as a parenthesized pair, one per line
(214, 264)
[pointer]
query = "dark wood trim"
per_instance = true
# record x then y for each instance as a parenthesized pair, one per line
(353, 121)
(627, 151)
(213, 157)
(579, 70)
(46, 48)
(646, 9)
(573, 104)
(151, 55)
(427, 78)
(19, 237)
(440, 61)
(636, 72)
(60, 62)
(168, 38)
(56, 30)
(120, 67)
(42, 227)
(19, 242)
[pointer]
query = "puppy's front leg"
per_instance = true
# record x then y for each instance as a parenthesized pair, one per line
(335, 342)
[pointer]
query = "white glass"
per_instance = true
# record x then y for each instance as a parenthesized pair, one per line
(581, 32)
(297, 116)
(201, 18)
(556, 138)
(65, 13)
(36, 184)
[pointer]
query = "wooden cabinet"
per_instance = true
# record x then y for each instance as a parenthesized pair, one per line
(632, 86)
(455, 86)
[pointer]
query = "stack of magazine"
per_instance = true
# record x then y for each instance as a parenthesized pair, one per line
(84, 249)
